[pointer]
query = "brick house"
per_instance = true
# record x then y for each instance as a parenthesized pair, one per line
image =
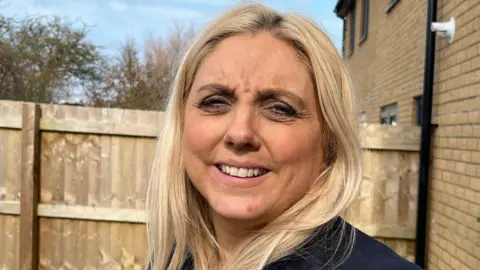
(384, 46)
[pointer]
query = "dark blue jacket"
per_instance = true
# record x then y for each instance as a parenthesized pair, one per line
(367, 254)
(319, 252)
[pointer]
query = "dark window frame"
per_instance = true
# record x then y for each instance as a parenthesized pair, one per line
(391, 5)
(365, 19)
(418, 110)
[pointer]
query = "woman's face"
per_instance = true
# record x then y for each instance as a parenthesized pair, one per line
(252, 141)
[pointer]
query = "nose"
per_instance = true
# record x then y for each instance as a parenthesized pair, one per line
(241, 135)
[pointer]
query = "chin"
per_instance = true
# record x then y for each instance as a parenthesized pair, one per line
(239, 208)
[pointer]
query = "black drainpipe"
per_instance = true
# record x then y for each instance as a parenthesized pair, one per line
(421, 237)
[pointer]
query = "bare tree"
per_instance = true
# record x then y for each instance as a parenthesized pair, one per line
(131, 83)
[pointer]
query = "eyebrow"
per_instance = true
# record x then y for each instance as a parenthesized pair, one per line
(263, 94)
(217, 88)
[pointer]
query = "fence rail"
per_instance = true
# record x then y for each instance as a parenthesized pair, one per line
(73, 183)
(79, 212)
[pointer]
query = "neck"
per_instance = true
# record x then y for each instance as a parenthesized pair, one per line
(230, 233)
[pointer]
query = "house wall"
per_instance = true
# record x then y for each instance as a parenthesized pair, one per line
(454, 233)
(387, 67)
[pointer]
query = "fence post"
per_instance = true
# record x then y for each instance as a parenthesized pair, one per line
(29, 238)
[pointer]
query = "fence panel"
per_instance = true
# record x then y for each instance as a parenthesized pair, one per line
(386, 206)
(10, 183)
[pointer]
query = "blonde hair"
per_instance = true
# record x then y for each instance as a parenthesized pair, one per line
(178, 217)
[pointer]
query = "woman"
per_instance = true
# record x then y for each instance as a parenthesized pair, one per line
(259, 154)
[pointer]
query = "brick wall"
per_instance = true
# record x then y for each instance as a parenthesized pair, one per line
(454, 233)
(387, 67)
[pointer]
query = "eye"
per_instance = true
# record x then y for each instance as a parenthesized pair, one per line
(284, 109)
(279, 111)
(214, 104)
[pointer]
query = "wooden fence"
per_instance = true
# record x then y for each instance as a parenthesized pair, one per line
(386, 206)
(73, 183)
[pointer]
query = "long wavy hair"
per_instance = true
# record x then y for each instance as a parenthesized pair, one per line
(179, 220)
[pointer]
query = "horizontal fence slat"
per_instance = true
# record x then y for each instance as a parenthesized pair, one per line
(91, 213)
(84, 127)
(121, 215)
(10, 114)
(89, 120)
(98, 128)
(10, 207)
(385, 137)
(11, 122)
(102, 121)
(379, 145)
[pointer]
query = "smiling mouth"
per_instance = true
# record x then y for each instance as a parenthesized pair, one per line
(241, 172)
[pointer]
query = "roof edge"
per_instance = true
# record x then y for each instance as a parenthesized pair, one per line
(343, 7)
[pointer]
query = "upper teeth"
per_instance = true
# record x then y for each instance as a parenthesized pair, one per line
(241, 172)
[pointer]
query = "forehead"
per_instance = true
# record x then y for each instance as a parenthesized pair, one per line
(252, 62)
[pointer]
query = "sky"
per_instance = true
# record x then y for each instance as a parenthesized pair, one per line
(111, 22)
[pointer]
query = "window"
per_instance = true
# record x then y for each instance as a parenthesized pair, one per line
(418, 110)
(362, 118)
(365, 10)
(388, 115)
(391, 5)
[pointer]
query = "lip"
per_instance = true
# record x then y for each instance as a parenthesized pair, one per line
(238, 182)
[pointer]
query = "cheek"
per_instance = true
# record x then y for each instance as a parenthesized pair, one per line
(200, 136)
(296, 145)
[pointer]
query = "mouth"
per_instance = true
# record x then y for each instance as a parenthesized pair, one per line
(242, 172)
